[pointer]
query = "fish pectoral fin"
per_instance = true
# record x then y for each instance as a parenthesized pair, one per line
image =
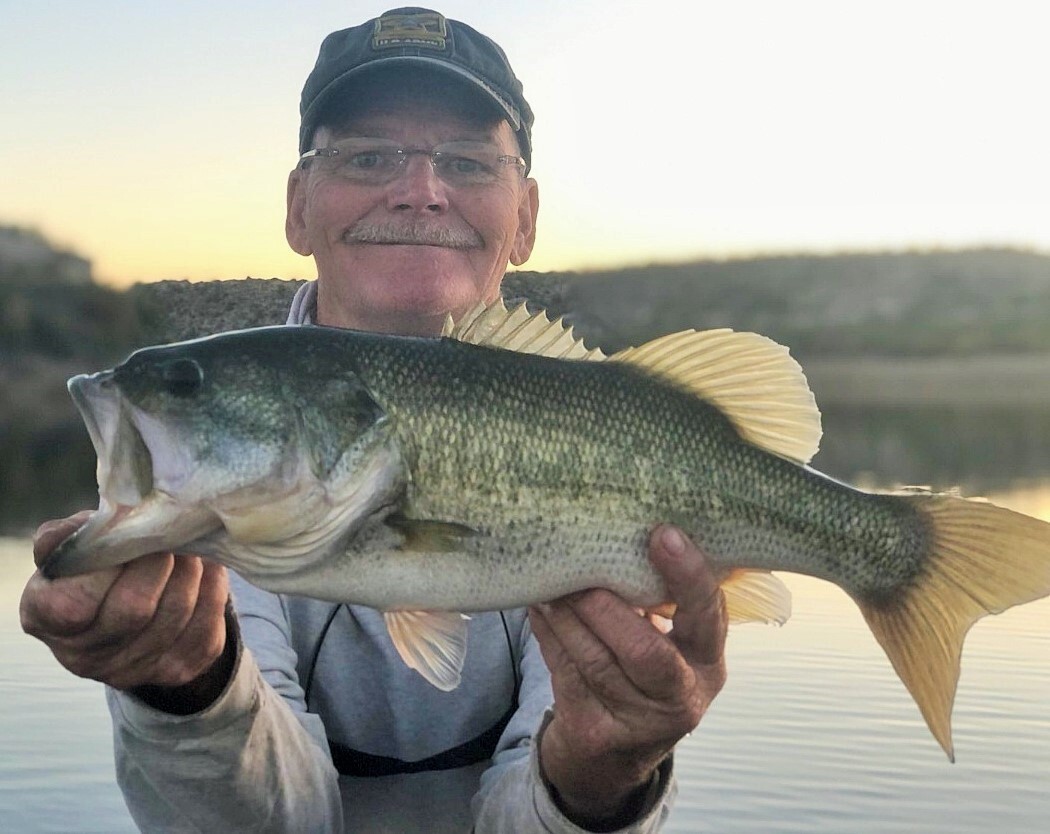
(752, 380)
(425, 535)
(434, 643)
(756, 596)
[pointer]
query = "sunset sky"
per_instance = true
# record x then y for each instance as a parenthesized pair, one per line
(155, 138)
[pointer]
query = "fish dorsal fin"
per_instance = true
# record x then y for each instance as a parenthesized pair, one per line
(519, 330)
(434, 643)
(755, 596)
(749, 378)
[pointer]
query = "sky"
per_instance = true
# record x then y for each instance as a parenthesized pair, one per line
(156, 138)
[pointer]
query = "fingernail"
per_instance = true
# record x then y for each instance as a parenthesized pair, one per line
(673, 540)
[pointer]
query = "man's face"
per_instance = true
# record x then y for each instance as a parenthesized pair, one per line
(410, 287)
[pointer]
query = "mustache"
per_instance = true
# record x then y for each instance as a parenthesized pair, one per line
(414, 233)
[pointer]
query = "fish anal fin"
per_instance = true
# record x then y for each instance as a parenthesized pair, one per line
(754, 596)
(753, 380)
(493, 325)
(983, 560)
(434, 643)
(425, 535)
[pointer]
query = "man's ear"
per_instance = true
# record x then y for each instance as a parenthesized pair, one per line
(294, 221)
(528, 208)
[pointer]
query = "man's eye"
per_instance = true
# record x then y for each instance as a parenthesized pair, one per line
(366, 160)
(466, 166)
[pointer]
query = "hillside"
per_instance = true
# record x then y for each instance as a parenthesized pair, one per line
(888, 304)
(931, 304)
(842, 315)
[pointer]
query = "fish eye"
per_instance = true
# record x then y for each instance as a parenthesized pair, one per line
(183, 377)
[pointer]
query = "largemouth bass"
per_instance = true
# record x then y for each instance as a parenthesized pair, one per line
(506, 465)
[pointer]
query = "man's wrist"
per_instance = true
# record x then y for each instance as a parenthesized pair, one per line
(608, 813)
(598, 798)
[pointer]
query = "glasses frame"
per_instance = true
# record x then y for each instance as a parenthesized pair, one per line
(434, 154)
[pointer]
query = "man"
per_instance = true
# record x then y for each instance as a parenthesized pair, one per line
(289, 714)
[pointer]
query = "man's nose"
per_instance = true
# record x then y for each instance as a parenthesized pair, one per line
(417, 186)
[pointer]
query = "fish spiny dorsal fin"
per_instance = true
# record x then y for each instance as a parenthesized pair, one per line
(751, 379)
(518, 330)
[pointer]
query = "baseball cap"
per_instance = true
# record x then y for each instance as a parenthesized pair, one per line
(424, 38)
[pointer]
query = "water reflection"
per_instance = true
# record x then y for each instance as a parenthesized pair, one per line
(813, 733)
(977, 450)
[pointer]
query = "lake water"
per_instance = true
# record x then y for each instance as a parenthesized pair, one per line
(813, 732)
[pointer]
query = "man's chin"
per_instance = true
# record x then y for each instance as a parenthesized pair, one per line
(402, 288)
(419, 307)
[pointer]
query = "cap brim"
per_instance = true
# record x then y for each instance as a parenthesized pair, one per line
(324, 98)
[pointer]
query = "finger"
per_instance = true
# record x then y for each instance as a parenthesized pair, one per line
(652, 662)
(51, 534)
(563, 671)
(608, 644)
(131, 603)
(573, 680)
(203, 639)
(64, 607)
(180, 597)
(700, 619)
(173, 612)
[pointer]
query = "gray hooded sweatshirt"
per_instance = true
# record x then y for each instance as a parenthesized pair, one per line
(323, 728)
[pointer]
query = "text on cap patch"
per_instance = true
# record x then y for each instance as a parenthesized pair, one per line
(425, 29)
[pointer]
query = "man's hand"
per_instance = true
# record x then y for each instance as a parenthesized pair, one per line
(624, 692)
(156, 622)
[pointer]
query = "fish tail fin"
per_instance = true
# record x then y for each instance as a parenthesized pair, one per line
(983, 560)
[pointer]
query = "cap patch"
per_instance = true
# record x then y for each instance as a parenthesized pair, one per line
(425, 29)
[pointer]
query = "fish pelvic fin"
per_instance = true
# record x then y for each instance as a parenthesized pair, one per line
(753, 380)
(493, 325)
(983, 560)
(434, 643)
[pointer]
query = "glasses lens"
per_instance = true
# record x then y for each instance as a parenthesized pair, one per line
(467, 163)
(363, 160)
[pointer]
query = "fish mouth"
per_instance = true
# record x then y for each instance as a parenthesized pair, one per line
(133, 518)
(125, 465)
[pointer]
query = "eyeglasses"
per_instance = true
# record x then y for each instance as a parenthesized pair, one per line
(380, 161)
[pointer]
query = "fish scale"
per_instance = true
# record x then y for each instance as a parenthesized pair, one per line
(564, 448)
